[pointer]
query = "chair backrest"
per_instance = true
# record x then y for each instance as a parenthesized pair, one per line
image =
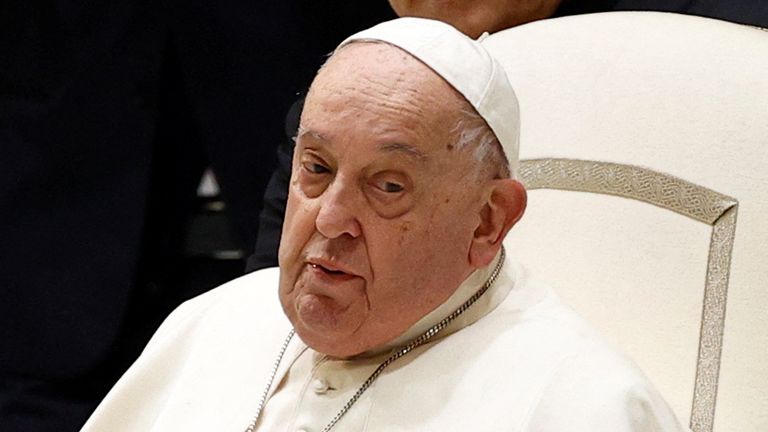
(644, 135)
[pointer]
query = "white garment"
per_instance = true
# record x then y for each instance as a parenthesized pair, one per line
(517, 360)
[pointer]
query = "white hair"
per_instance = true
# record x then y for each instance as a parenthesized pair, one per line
(472, 130)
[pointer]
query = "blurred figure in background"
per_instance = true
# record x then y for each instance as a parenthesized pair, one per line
(474, 17)
(109, 114)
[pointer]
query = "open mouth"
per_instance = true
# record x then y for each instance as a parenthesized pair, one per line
(327, 270)
(334, 274)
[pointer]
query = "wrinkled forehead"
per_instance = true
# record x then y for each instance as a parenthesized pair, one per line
(379, 95)
(383, 74)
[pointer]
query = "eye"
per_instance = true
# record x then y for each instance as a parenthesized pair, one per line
(313, 174)
(390, 187)
(315, 168)
(391, 192)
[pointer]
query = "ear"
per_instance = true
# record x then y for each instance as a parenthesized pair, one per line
(504, 206)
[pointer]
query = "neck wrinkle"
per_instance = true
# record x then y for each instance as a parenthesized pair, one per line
(484, 305)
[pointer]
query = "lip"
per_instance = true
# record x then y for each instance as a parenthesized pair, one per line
(331, 271)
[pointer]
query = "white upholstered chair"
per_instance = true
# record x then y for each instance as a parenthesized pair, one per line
(645, 146)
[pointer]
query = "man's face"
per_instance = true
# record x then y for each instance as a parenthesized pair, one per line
(473, 17)
(381, 206)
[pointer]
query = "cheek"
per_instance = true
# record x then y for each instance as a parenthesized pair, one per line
(298, 227)
(401, 7)
(447, 220)
(404, 248)
(404, 233)
(447, 231)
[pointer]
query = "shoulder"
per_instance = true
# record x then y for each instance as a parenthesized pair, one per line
(577, 380)
(534, 317)
(530, 364)
(200, 357)
(554, 334)
(250, 301)
(597, 389)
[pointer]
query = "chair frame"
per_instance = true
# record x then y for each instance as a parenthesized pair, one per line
(688, 199)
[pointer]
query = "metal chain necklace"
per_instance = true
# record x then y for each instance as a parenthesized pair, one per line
(415, 343)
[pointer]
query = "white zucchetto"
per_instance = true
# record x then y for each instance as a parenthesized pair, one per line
(463, 63)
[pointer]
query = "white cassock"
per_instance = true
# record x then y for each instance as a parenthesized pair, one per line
(517, 360)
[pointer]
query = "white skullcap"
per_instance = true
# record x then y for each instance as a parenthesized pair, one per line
(464, 64)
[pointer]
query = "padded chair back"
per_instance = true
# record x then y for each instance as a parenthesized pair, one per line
(645, 150)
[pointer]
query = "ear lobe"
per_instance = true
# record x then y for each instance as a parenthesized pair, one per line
(504, 207)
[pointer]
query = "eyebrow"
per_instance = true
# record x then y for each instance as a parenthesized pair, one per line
(314, 134)
(405, 149)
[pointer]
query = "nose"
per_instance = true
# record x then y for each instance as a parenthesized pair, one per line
(338, 210)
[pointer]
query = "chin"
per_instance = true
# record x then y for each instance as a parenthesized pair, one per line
(330, 344)
(324, 328)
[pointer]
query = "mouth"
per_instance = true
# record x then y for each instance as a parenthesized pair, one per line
(330, 271)
(326, 269)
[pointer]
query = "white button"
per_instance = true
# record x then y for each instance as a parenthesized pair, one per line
(320, 386)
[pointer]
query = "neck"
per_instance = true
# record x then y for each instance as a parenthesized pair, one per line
(463, 292)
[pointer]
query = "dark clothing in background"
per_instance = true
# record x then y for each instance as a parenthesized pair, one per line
(109, 113)
(753, 12)
(276, 197)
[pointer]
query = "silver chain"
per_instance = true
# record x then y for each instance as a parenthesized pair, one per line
(421, 340)
(263, 399)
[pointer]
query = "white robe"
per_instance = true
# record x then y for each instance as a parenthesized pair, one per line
(517, 360)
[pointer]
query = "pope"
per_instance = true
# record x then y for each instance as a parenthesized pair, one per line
(394, 307)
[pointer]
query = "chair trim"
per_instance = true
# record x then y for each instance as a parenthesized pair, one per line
(682, 197)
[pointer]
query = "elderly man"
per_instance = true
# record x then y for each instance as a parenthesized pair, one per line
(394, 307)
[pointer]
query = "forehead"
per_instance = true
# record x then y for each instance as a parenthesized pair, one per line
(377, 61)
(383, 89)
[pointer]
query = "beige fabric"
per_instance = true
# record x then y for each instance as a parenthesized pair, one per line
(678, 95)
(526, 364)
